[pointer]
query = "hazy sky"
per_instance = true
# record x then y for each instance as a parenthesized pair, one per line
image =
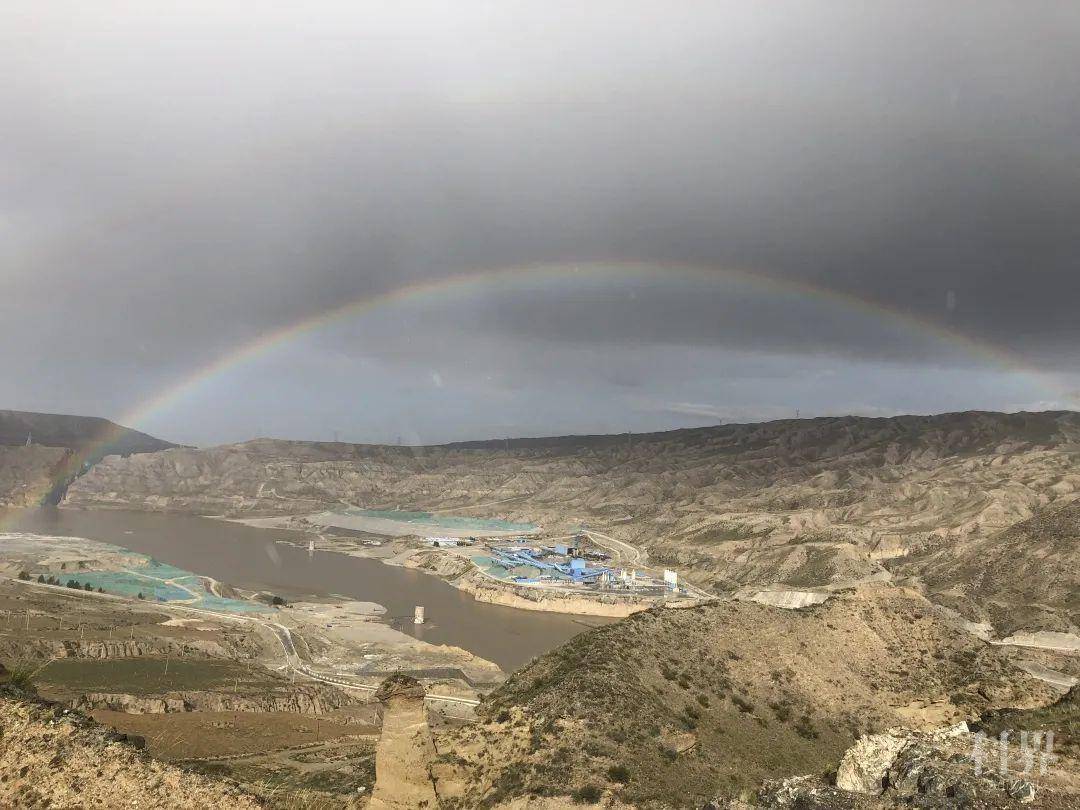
(178, 179)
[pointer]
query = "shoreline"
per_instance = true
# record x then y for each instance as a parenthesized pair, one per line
(473, 581)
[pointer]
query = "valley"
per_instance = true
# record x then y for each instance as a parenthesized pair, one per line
(838, 578)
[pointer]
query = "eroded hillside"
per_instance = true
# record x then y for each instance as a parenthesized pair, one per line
(52, 757)
(28, 474)
(41, 453)
(670, 706)
(805, 502)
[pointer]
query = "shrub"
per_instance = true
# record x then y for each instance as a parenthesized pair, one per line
(743, 705)
(804, 727)
(703, 700)
(88, 587)
(781, 710)
(587, 794)
(24, 576)
(140, 596)
(619, 773)
(21, 675)
(41, 578)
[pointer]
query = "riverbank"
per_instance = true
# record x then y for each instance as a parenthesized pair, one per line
(455, 567)
(270, 560)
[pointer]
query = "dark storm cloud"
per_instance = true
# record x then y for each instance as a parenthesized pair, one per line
(175, 182)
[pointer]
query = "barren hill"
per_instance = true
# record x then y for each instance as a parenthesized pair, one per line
(79, 433)
(804, 502)
(52, 757)
(61, 447)
(1024, 577)
(668, 707)
(28, 473)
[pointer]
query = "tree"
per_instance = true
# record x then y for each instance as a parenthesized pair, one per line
(72, 583)
(41, 578)
(24, 576)
(99, 590)
(141, 595)
(88, 587)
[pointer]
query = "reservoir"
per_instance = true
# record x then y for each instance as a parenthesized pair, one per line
(252, 558)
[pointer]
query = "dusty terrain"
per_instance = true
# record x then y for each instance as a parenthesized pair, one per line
(799, 502)
(53, 758)
(669, 705)
(219, 694)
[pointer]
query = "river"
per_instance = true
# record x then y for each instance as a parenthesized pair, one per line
(251, 558)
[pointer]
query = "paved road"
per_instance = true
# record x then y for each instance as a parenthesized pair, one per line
(629, 555)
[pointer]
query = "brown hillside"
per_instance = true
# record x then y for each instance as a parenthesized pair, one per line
(670, 707)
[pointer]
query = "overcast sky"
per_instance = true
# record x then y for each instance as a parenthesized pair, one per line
(178, 179)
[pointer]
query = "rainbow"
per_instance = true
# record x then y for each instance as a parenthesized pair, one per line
(494, 280)
(504, 278)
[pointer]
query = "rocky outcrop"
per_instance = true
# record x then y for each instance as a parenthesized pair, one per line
(306, 699)
(865, 764)
(943, 770)
(406, 751)
(788, 599)
(52, 757)
(107, 649)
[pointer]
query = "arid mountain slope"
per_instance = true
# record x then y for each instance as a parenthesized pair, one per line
(669, 707)
(61, 447)
(28, 473)
(51, 757)
(1025, 577)
(800, 501)
(79, 433)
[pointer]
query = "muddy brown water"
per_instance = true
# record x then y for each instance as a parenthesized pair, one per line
(253, 558)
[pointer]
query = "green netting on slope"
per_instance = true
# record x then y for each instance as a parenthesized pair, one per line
(148, 580)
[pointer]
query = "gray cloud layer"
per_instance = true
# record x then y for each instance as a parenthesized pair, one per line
(173, 183)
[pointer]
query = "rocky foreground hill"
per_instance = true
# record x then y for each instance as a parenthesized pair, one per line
(803, 502)
(669, 707)
(53, 757)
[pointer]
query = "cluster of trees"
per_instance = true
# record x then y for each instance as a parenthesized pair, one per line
(51, 580)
